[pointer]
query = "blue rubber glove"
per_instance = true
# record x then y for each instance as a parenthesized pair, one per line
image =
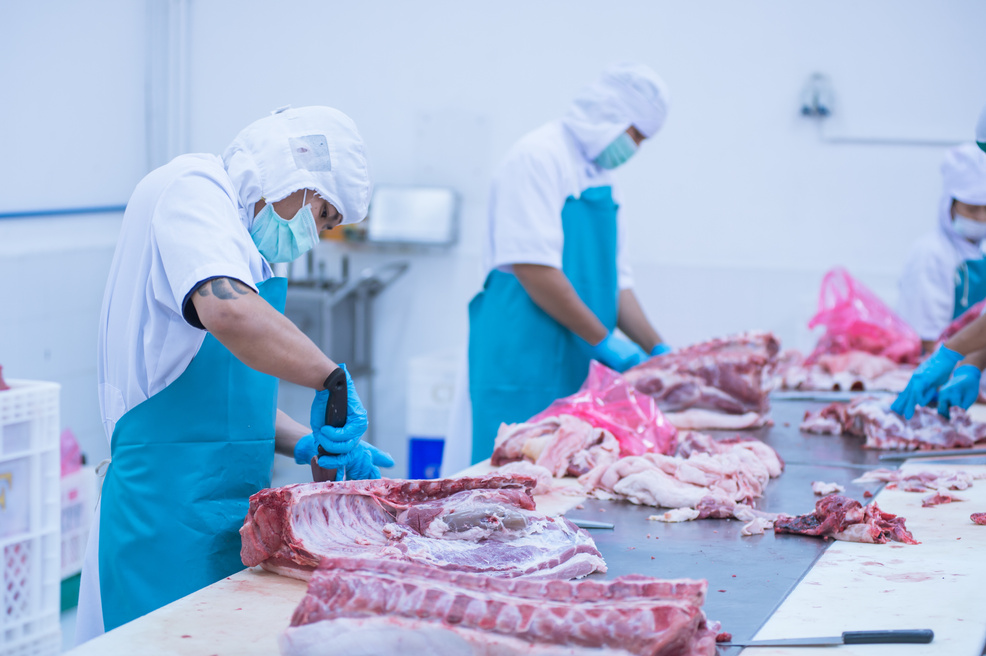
(660, 349)
(618, 353)
(338, 441)
(305, 449)
(962, 390)
(365, 461)
(925, 381)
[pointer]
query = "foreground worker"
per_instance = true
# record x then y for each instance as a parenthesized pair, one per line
(962, 358)
(559, 282)
(192, 343)
(945, 273)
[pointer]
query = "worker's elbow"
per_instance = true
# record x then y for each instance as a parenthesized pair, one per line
(221, 317)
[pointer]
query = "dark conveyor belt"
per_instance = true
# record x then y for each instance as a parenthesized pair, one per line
(748, 577)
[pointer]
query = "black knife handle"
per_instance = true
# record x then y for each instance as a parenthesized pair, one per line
(337, 405)
(921, 636)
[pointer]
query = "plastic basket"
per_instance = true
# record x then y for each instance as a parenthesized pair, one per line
(30, 518)
(78, 505)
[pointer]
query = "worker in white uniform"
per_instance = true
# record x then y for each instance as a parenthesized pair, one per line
(559, 283)
(954, 371)
(945, 273)
(192, 343)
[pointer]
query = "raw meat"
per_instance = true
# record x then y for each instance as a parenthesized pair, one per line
(939, 498)
(851, 371)
(485, 525)
(921, 480)
(822, 489)
(978, 518)
(363, 607)
(564, 445)
(712, 478)
(871, 417)
(841, 518)
(723, 376)
(606, 400)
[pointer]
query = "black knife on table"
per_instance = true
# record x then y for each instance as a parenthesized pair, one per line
(915, 636)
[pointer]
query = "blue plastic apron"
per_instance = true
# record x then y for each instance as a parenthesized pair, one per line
(184, 464)
(970, 285)
(520, 359)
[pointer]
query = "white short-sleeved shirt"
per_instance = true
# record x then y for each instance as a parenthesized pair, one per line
(183, 225)
(927, 285)
(529, 191)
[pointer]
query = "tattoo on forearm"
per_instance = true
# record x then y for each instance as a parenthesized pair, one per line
(223, 288)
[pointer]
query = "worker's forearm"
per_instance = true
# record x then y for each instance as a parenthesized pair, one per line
(976, 358)
(258, 335)
(287, 432)
(551, 290)
(634, 323)
(969, 339)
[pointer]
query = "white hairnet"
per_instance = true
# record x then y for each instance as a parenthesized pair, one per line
(302, 148)
(963, 178)
(626, 94)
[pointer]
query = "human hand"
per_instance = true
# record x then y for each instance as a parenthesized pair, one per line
(618, 353)
(336, 441)
(660, 349)
(926, 380)
(962, 390)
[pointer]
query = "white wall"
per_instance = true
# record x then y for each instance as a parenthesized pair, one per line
(736, 208)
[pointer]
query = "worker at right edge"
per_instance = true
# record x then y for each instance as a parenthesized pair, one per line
(953, 372)
(559, 283)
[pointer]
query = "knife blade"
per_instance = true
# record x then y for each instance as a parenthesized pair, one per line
(590, 523)
(940, 453)
(916, 636)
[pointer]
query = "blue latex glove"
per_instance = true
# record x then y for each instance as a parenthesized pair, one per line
(338, 441)
(365, 461)
(925, 381)
(305, 449)
(618, 353)
(660, 349)
(962, 390)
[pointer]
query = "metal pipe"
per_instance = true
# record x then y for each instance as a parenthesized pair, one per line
(98, 209)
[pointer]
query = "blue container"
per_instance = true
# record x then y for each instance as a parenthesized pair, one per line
(425, 456)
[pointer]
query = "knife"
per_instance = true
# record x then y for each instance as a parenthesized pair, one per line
(940, 453)
(590, 523)
(336, 409)
(918, 636)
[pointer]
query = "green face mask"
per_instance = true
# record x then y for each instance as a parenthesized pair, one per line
(618, 152)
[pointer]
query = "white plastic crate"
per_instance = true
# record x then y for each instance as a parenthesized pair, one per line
(78, 505)
(30, 519)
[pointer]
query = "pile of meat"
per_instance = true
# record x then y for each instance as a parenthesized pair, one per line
(871, 418)
(840, 518)
(360, 607)
(853, 371)
(705, 478)
(720, 384)
(941, 484)
(485, 525)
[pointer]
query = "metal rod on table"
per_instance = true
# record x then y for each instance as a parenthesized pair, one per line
(933, 454)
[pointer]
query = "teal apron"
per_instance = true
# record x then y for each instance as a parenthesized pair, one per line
(520, 359)
(970, 285)
(184, 464)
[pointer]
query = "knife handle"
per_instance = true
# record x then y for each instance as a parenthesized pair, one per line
(921, 636)
(337, 406)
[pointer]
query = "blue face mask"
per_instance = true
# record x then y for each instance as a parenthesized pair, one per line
(279, 240)
(618, 152)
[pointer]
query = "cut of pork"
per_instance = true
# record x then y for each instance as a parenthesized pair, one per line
(728, 376)
(564, 445)
(486, 525)
(358, 607)
(853, 371)
(840, 518)
(872, 418)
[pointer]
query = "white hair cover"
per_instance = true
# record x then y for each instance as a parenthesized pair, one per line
(626, 94)
(301, 148)
(963, 178)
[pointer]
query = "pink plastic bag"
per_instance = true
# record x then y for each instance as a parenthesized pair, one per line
(71, 454)
(855, 319)
(607, 401)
